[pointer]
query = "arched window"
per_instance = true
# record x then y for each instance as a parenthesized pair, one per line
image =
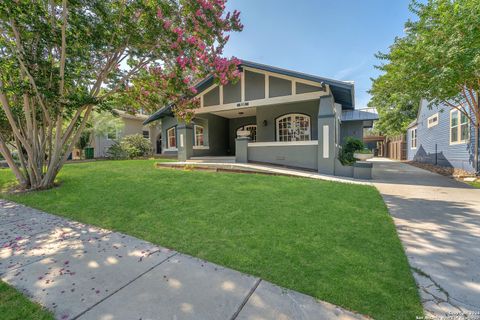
(293, 127)
(250, 127)
(199, 136)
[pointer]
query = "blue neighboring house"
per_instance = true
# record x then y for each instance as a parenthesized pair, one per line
(441, 136)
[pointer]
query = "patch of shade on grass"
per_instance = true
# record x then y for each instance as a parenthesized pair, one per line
(330, 240)
(15, 306)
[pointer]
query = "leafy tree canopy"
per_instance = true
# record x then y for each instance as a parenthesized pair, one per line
(438, 59)
(62, 60)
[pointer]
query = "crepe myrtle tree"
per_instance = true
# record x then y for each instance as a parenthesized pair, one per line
(438, 59)
(62, 60)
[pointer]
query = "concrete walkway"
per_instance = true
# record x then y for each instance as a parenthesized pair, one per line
(438, 221)
(82, 272)
(259, 168)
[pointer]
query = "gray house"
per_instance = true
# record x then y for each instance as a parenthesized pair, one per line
(270, 115)
(441, 136)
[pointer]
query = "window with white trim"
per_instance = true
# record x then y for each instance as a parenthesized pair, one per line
(146, 134)
(171, 138)
(250, 127)
(459, 128)
(413, 136)
(199, 136)
(432, 121)
(293, 127)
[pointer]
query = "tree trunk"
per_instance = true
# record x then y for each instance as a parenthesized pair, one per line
(475, 157)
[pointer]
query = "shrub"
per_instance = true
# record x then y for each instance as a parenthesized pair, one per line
(350, 146)
(116, 152)
(136, 146)
(132, 146)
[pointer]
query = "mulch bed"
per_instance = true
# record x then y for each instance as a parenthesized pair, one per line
(444, 171)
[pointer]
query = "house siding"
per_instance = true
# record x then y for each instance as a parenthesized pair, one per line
(351, 129)
(433, 144)
(130, 127)
(270, 113)
(215, 135)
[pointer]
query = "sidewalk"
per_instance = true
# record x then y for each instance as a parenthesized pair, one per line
(83, 272)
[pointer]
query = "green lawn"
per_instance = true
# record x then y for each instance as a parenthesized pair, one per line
(330, 240)
(15, 306)
(475, 184)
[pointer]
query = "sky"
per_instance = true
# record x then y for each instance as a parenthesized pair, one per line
(335, 39)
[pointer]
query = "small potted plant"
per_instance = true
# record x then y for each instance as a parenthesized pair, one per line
(363, 154)
(243, 133)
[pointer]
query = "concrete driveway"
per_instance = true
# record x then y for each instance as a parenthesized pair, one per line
(438, 221)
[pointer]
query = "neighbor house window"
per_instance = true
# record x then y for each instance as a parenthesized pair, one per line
(253, 131)
(293, 127)
(199, 136)
(459, 128)
(146, 134)
(171, 138)
(413, 135)
(112, 133)
(432, 120)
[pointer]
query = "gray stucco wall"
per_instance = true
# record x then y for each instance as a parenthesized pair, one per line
(234, 124)
(351, 129)
(232, 92)
(305, 88)
(291, 156)
(212, 98)
(166, 124)
(271, 112)
(254, 86)
(279, 87)
(215, 134)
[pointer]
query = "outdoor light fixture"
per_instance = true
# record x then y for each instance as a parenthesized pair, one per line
(265, 123)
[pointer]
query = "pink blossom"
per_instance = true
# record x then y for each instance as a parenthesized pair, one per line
(167, 24)
(193, 90)
(178, 31)
(192, 40)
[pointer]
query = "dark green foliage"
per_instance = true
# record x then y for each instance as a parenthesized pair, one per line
(116, 152)
(136, 146)
(84, 140)
(130, 147)
(350, 145)
(438, 59)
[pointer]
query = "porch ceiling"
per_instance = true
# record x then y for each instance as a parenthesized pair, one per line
(237, 113)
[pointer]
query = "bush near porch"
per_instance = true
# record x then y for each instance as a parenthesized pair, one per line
(330, 240)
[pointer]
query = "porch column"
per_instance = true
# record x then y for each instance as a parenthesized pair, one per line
(241, 149)
(185, 141)
(326, 136)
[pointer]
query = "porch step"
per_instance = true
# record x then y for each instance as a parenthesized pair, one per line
(212, 159)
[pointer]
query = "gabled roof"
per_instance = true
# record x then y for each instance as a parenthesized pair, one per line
(360, 114)
(125, 114)
(165, 111)
(342, 91)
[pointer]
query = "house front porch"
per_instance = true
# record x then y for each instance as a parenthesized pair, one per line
(270, 115)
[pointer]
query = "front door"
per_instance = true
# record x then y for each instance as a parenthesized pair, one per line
(159, 144)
